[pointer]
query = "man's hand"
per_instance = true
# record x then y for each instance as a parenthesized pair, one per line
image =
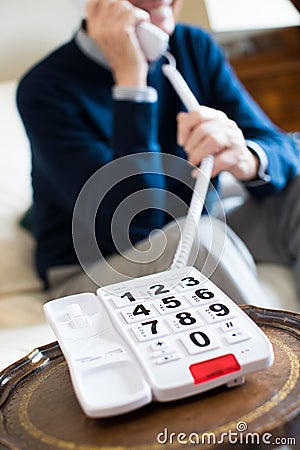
(209, 131)
(111, 24)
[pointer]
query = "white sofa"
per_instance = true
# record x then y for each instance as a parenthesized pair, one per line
(22, 323)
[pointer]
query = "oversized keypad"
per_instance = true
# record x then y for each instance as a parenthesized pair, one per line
(179, 317)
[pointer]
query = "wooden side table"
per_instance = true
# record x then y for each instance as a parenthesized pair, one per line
(39, 410)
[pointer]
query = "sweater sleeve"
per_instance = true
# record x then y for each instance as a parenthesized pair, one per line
(225, 92)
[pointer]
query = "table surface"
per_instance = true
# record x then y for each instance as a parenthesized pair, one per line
(38, 409)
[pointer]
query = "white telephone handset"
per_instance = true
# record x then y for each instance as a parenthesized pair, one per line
(153, 40)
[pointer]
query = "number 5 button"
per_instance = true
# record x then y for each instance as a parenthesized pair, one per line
(169, 304)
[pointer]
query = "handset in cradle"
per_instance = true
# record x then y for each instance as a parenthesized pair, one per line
(105, 374)
(153, 40)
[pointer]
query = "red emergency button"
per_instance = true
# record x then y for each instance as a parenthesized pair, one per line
(214, 368)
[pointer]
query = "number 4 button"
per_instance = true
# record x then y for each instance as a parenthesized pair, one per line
(137, 312)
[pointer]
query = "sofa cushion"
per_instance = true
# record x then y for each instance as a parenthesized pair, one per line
(17, 274)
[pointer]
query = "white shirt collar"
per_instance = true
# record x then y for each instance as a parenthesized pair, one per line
(89, 48)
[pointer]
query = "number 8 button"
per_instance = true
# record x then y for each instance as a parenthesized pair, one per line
(183, 320)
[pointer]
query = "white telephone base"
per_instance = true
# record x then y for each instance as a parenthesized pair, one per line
(161, 337)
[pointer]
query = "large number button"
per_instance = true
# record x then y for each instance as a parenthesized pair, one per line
(149, 329)
(124, 300)
(137, 312)
(199, 296)
(158, 289)
(183, 320)
(216, 312)
(187, 283)
(169, 304)
(199, 341)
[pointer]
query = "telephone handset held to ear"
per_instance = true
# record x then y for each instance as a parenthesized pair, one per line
(153, 40)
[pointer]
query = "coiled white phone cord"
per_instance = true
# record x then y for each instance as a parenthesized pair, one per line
(204, 174)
